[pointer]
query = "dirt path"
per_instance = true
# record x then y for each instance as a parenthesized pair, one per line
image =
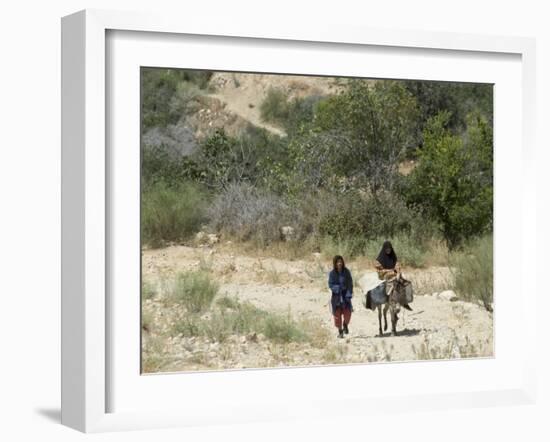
(436, 328)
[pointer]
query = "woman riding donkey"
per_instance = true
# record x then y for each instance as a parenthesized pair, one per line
(340, 283)
(387, 265)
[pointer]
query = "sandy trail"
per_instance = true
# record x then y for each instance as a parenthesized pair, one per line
(300, 287)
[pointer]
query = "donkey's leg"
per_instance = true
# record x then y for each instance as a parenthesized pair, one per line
(386, 306)
(379, 307)
(394, 320)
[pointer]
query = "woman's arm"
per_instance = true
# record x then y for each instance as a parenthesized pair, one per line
(333, 282)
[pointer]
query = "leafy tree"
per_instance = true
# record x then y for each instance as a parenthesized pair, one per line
(459, 99)
(362, 132)
(223, 159)
(453, 180)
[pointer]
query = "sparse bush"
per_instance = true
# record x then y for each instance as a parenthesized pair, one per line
(184, 101)
(227, 302)
(275, 107)
(219, 326)
(146, 321)
(245, 212)
(282, 329)
(188, 326)
(245, 318)
(148, 290)
(452, 349)
(160, 89)
(355, 214)
(335, 354)
(347, 247)
(472, 268)
(194, 290)
(171, 213)
(152, 357)
(232, 317)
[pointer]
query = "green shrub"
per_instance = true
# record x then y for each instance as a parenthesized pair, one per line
(232, 317)
(347, 247)
(226, 302)
(159, 164)
(472, 268)
(219, 326)
(165, 91)
(275, 107)
(194, 290)
(171, 213)
(357, 215)
(282, 329)
(148, 289)
(188, 326)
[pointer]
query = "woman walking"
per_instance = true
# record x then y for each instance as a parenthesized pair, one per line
(340, 283)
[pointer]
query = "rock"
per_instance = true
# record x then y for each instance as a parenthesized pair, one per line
(213, 238)
(252, 337)
(287, 233)
(448, 295)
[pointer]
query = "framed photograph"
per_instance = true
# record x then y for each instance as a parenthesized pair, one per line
(250, 214)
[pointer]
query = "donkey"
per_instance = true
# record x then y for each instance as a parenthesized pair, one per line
(399, 293)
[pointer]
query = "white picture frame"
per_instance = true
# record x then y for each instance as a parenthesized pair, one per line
(87, 205)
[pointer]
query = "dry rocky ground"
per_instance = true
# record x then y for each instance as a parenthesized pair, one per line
(440, 327)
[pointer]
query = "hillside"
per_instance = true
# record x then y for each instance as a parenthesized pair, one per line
(243, 94)
(232, 101)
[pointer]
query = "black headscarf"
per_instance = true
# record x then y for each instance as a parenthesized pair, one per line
(387, 261)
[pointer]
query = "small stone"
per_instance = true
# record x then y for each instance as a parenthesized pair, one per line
(287, 233)
(448, 295)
